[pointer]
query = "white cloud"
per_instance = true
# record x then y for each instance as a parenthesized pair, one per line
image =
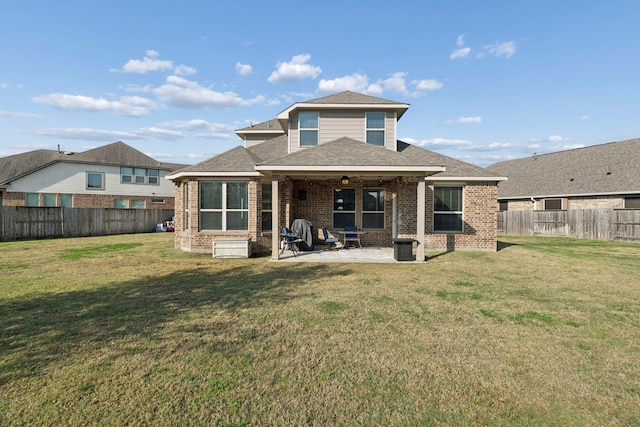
(132, 106)
(506, 49)
(355, 82)
(4, 85)
(110, 135)
(460, 53)
(476, 119)
(438, 142)
(185, 70)
(87, 134)
(18, 115)
(147, 63)
(295, 70)
(243, 69)
(557, 138)
(572, 146)
(395, 83)
(214, 135)
(585, 117)
(136, 88)
(423, 86)
(196, 124)
(189, 94)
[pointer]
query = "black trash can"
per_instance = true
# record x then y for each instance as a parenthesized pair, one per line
(403, 250)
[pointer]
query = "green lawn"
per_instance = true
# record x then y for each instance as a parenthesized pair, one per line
(125, 330)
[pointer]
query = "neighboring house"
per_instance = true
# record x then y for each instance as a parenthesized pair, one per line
(112, 176)
(335, 161)
(599, 176)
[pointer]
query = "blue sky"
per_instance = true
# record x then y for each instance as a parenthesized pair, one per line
(487, 81)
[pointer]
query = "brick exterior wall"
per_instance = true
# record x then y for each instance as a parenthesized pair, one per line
(480, 207)
(10, 198)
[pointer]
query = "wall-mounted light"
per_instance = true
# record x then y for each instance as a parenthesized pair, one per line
(345, 180)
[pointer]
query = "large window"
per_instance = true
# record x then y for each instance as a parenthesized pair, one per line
(121, 203)
(95, 181)
(308, 129)
(447, 209)
(267, 208)
(224, 205)
(375, 128)
(138, 204)
(139, 176)
(344, 207)
(373, 208)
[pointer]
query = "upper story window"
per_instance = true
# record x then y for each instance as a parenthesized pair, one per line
(95, 180)
(375, 128)
(139, 175)
(308, 129)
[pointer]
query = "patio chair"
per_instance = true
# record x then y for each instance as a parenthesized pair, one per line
(289, 241)
(331, 241)
(351, 237)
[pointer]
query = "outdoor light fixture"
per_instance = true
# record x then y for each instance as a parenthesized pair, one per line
(345, 180)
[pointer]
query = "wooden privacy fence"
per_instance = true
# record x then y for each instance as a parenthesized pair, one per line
(18, 222)
(596, 224)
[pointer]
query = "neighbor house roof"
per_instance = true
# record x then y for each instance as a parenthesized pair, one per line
(117, 153)
(603, 169)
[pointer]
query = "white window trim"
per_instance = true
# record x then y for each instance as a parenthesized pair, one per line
(300, 129)
(95, 189)
(383, 129)
(132, 176)
(262, 210)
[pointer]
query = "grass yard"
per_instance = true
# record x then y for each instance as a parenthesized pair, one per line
(125, 330)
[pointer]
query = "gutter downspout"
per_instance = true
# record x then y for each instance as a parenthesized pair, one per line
(394, 220)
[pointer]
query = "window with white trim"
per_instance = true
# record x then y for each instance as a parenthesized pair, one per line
(375, 123)
(139, 176)
(308, 128)
(447, 209)
(66, 200)
(224, 205)
(186, 205)
(344, 207)
(138, 204)
(373, 208)
(121, 203)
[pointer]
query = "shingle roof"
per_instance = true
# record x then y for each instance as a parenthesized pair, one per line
(610, 168)
(346, 152)
(272, 125)
(343, 152)
(455, 168)
(118, 153)
(349, 97)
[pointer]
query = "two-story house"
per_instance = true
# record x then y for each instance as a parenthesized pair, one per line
(112, 176)
(335, 161)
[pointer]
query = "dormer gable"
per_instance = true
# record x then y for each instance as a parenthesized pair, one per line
(346, 114)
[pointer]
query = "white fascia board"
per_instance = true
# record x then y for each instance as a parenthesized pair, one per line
(284, 115)
(351, 169)
(259, 131)
(212, 174)
(468, 178)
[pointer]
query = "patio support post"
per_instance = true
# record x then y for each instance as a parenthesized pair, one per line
(275, 219)
(420, 197)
